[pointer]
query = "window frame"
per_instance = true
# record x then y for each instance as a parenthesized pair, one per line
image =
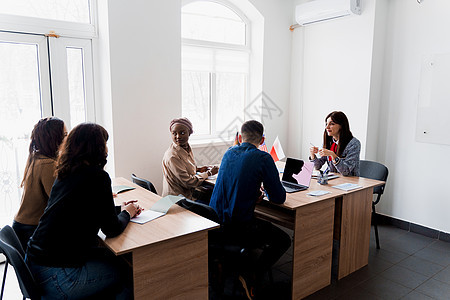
(34, 25)
(214, 135)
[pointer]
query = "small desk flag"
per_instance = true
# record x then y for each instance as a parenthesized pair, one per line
(236, 139)
(276, 151)
(263, 146)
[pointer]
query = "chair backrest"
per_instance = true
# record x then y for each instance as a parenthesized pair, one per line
(143, 183)
(11, 236)
(374, 170)
(28, 286)
(200, 209)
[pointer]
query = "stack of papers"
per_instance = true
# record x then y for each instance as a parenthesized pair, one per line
(347, 186)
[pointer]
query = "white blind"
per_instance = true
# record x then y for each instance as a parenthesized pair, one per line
(214, 60)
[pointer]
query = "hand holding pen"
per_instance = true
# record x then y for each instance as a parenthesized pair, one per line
(313, 151)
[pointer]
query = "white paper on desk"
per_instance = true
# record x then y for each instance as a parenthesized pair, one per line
(121, 188)
(147, 216)
(165, 203)
(212, 177)
(318, 193)
(347, 186)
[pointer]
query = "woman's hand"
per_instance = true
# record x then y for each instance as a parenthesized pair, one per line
(132, 208)
(202, 169)
(214, 170)
(313, 151)
(261, 196)
(326, 152)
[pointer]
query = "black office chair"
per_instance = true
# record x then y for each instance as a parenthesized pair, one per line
(200, 209)
(225, 255)
(11, 248)
(143, 183)
(374, 170)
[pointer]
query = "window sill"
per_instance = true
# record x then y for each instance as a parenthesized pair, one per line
(201, 143)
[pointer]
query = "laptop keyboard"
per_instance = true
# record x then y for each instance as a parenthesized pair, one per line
(290, 185)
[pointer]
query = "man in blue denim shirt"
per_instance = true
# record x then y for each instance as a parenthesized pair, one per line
(237, 190)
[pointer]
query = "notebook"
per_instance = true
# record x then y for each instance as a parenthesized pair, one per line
(297, 175)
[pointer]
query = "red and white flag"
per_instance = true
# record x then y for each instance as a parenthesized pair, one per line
(263, 146)
(276, 151)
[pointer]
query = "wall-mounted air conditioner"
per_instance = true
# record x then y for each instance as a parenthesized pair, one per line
(323, 10)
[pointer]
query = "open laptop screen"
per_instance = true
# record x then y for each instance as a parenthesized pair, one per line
(297, 171)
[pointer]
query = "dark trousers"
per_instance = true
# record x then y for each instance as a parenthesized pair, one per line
(23, 232)
(271, 240)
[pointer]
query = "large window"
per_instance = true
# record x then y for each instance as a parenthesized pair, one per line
(41, 75)
(215, 65)
(63, 10)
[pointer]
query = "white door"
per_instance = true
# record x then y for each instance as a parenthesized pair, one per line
(39, 76)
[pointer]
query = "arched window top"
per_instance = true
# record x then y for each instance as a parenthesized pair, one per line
(212, 22)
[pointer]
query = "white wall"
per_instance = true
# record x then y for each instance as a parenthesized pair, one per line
(145, 63)
(276, 66)
(369, 66)
(145, 83)
(337, 60)
(416, 191)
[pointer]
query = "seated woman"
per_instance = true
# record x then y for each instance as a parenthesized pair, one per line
(63, 252)
(178, 165)
(39, 175)
(340, 148)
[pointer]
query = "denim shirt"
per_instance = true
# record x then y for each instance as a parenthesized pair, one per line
(242, 170)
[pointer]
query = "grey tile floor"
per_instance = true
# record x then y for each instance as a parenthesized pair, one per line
(408, 266)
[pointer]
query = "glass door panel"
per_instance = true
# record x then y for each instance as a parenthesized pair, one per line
(76, 85)
(72, 80)
(24, 99)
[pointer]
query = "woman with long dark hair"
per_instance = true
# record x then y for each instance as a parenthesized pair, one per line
(39, 175)
(63, 252)
(340, 148)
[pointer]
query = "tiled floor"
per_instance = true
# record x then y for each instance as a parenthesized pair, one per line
(408, 266)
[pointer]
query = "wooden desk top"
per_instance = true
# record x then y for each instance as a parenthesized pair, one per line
(295, 200)
(298, 199)
(177, 222)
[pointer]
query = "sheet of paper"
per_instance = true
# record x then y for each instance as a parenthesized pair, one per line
(347, 186)
(121, 188)
(146, 216)
(318, 193)
(165, 203)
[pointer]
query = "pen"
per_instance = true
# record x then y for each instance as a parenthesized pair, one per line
(312, 144)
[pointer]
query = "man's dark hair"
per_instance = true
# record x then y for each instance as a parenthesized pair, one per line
(252, 131)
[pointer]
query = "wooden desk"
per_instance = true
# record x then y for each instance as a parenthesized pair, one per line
(314, 221)
(169, 255)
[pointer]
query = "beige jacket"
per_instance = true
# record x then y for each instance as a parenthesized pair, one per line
(36, 191)
(179, 170)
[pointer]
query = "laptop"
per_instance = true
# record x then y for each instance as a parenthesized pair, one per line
(297, 175)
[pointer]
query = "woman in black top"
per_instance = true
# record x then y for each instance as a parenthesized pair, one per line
(63, 252)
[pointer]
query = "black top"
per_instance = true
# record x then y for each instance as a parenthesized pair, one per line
(67, 235)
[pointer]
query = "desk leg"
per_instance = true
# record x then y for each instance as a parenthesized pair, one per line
(355, 231)
(172, 269)
(313, 242)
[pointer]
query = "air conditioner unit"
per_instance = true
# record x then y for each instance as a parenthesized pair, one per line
(322, 10)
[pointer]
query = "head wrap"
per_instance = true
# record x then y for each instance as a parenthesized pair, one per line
(183, 121)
